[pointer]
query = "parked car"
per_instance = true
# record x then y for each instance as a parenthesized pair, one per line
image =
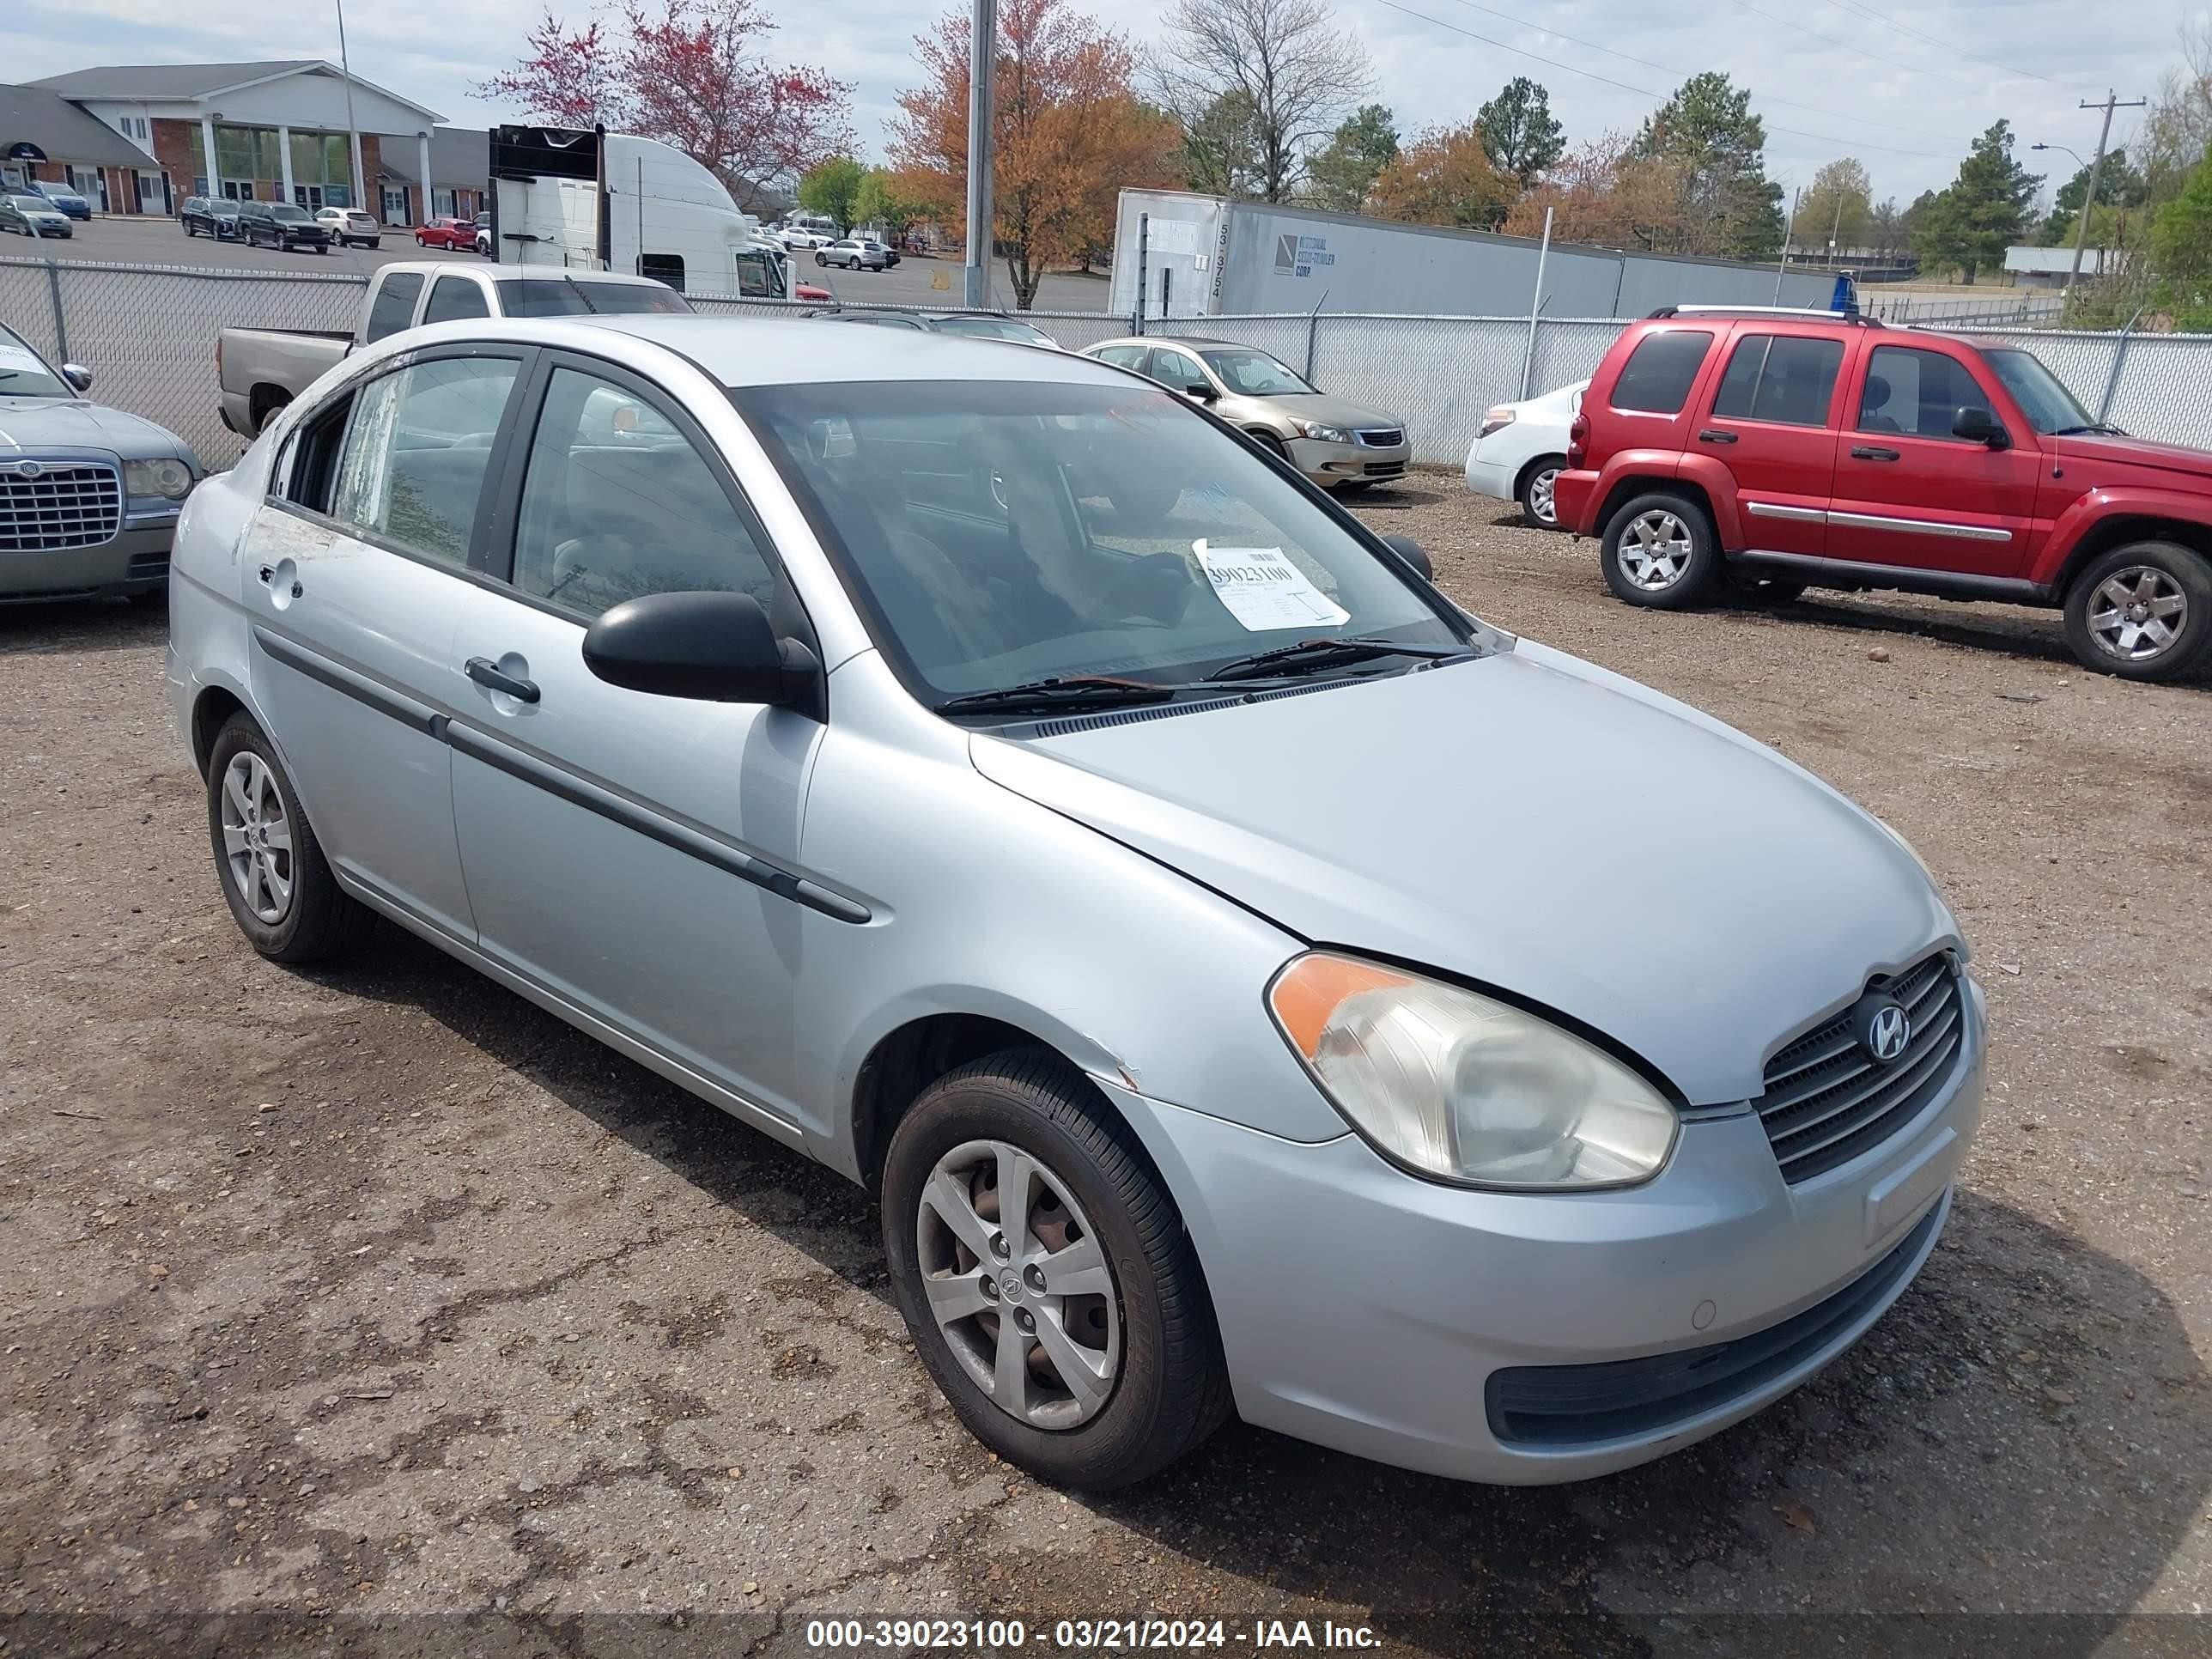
(483, 240)
(72, 204)
(33, 216)
(798, 236)
(974, 325)
(1803, 449)
(827, 794)
(88, 495)
(1339, 445)
(351, 227)
(1520, 448)
(446, 232)
(259, 370)
(280, 225)
(854, 252)
(208, 215)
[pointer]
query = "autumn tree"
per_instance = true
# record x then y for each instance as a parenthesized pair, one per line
(1343, 172)
(1520, 134)
(1285, 62)
(691, 74)
(1604, 191)
(831, 188)
(1836, 208)
(1068, 132)
(1444, 178)
(1714, 148)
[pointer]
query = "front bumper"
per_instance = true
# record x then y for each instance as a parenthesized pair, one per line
(1369, 1311)
(1336, 464)
(135, 560)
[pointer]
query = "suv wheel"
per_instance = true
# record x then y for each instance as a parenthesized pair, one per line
(1535, 492)
(1659, 552)
(2142, 611)
(280, 889)
(1046, 1278)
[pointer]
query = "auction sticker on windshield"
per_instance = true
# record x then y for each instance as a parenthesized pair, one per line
(1264, 590)
(14, 357)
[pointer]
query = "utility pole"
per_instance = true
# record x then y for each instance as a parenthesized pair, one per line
(982, 63)
(360, 191)
(2096, 166)
(1788, 231)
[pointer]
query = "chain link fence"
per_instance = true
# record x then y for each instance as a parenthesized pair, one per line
(149, 335)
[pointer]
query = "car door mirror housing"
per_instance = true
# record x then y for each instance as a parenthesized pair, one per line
(1199, 390)
(77, 375)
(708, 647)
(1979, 426)
(1413, 554)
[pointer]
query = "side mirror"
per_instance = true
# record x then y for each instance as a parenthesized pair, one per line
(77, 375)
(1979, 426)
(709, 647)
(1413, 554)
(1199, 390)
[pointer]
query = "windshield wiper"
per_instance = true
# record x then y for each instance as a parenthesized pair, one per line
(1325, 653)
(1061, 691)
(2101, 429)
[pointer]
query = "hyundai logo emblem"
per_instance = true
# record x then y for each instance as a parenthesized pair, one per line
(1884, 1029)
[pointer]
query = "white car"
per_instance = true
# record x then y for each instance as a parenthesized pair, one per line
(350, 226)
(801, 236)
(1521, 448)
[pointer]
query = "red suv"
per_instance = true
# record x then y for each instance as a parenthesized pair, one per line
(1783, 449)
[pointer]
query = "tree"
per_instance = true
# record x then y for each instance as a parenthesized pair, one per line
(1297, 71)
(1519, 132)
(883, 201)
(1068, 132)
(1343, 174)
(2119, 185)
(689, 74)
(1836, 206)
(1886, 230)
(832, 188)
(2181, 251)
(1605, 192)
(1444, 178)
(1221, 146)
(1716, 149)
(1984, 211)
(2178, 126)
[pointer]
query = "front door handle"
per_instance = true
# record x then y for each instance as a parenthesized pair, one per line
(1713, 435)
(1872, 452)
(488, 674)
(269, 580)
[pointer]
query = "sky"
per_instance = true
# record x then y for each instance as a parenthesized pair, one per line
(1904, 85)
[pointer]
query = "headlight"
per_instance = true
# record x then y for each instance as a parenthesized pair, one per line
(1321, 434)
(1498, 419)
(166, 477)
(1466, 1089)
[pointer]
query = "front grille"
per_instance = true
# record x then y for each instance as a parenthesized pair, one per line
(1555, 1405)
(1384, 469)
(69, 504)
(1382, 437)
(1827, 1100)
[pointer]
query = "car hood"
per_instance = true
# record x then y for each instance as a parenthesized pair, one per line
(1326, 407)
(41, 423)
(2193, 467)
(1529, 823)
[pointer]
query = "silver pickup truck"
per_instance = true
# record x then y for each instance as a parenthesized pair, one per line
(262, 369)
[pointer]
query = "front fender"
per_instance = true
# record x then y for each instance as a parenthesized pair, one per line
(2096, 507)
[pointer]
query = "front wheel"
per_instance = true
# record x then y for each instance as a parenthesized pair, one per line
(2142, 611)
(1534, 491)
(279, 888)
(1659, 551)
(1046, 1275)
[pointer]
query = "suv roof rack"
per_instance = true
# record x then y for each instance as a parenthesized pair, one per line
(1825, 315)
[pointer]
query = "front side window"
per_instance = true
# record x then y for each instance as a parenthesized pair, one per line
(616, 504)
(1916, 394)
(1255, 374)
(394, 307)
(998, 534)
(2042, 396)
(1657, 377)
(1780, 377)
(453, 297)
(411, 470)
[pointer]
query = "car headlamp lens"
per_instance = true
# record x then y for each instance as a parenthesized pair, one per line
(1320, 432)
(167, 477)
(1466, 1089)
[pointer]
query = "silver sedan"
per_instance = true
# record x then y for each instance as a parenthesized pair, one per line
(1236, 969)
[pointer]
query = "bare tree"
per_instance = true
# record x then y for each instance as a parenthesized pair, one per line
(1284, 60)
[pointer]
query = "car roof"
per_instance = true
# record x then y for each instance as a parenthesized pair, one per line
(1169, 340)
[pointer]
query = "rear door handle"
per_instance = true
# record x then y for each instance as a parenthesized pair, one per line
(1872, 452)
(1713, 435)
(488, 674)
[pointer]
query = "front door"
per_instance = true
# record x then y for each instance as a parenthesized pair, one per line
(355, 582)
(1908, 493)
(629, 853)
(1773, 425)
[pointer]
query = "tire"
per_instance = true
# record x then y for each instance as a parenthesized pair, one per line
(1152, 1327)
(2142, 611)
(1271, 444)
(1677, 557)
(317, 919)
(1534, 491)
(149, 598)
(820, 258)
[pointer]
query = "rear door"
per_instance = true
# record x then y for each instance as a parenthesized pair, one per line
(1909, 493)
(1771, 421)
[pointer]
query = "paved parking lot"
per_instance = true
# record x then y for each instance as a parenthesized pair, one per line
(340, 1299)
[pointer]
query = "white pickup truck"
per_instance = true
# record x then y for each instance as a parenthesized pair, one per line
(262, 369)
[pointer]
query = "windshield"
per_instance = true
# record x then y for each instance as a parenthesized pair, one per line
(23, 373)
(999, 533)
(1254, 373)
(994, 328)
(2041, 395)
(289, 214)
(34, 203)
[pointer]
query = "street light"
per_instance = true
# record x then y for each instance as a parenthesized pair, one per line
(2078, 161)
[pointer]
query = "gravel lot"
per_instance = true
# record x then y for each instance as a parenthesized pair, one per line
(341, 1299)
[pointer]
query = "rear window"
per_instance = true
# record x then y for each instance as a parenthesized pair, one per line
(394, 305)
(1658, 375)
(628, 299)
(540, 296)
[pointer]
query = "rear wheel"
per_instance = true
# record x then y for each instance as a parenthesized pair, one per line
(279, 888)
(2142, 611)
(1534, 491)
(1659, 551)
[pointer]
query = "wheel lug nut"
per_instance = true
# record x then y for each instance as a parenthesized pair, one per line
(999, 1248)
(1033, 1276)
(1025, 1319)
(990, 1288)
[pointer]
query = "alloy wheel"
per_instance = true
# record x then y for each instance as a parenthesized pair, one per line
(257, 837)
(1540, 495)
(1018, 1283)
(2138, 613)
(1654, 550)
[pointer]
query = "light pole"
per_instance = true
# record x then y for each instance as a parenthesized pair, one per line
(2096, 166)
(360, 192)
(982, 64)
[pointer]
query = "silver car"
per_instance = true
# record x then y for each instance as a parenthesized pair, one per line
(89, 497)
(1230, 964)
(1332, 440)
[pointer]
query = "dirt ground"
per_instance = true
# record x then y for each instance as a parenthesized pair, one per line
(374, 1310)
